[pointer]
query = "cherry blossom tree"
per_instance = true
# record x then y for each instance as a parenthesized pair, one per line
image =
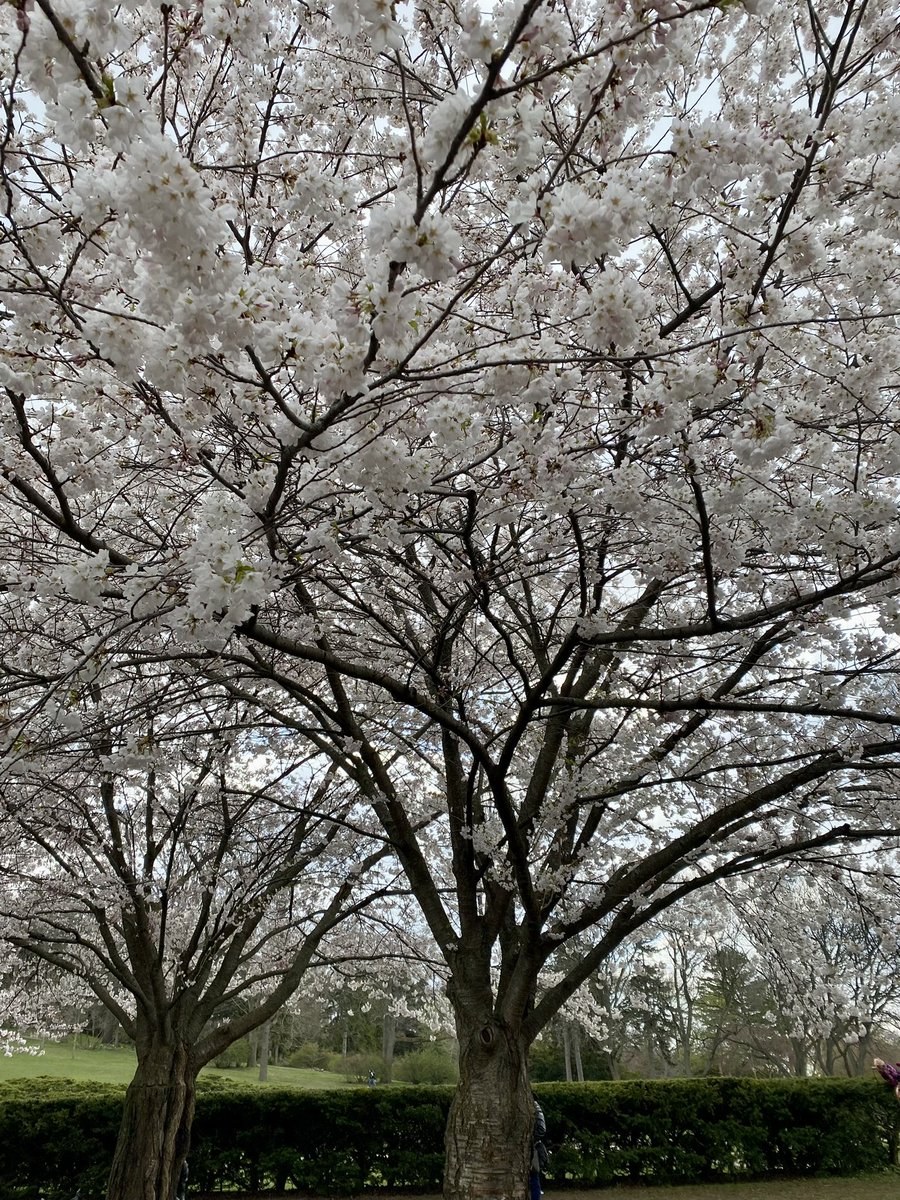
(610, 1020)
(504, 400)
(180, 872)
(827, 951)
(35, 1004)
(788, 973)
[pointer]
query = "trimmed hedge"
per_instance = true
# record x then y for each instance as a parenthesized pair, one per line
(56, 1136)
(329, 1143)
(708, 1130)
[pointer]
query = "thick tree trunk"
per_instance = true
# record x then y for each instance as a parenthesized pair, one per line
(156, 1125)
(491, 1119)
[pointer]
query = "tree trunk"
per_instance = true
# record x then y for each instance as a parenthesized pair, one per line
(491, 1119)
(388, 1041)
(263, 1051)
(567, 1054)
(862, 1054)
(828, 1055)
(801, 1061)
(576, 1053)
(156, 1125)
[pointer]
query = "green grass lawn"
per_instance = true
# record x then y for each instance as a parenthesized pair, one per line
(111, 1065)
(876, 1187)
(284, 1077)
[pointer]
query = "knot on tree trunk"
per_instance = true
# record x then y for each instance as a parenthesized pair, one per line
(487, 1036)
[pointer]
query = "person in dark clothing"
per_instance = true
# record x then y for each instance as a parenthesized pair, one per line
(539, 1154)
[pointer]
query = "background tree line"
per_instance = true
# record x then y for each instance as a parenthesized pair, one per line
(799, 979)
(795, 980)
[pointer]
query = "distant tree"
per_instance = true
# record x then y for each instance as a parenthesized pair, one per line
(735, 1009)
(684, 946)
(827, 950)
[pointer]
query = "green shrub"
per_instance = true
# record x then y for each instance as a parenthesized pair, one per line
(694, 1130)
(429, 1065)
(235, 1055)
(326, 1143)
(57, 1135)
(356, 1066)
(311, 1056)
(546, 1061)
(83, 1041)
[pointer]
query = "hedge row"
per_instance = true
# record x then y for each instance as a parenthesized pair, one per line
(696, 1131)
(56, 1136)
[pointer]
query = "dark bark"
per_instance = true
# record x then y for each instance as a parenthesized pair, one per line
(154, 1136)
(388, 1040)
(491, 1119)
(799, 1055)
(861, 1055)
(263, 1051)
